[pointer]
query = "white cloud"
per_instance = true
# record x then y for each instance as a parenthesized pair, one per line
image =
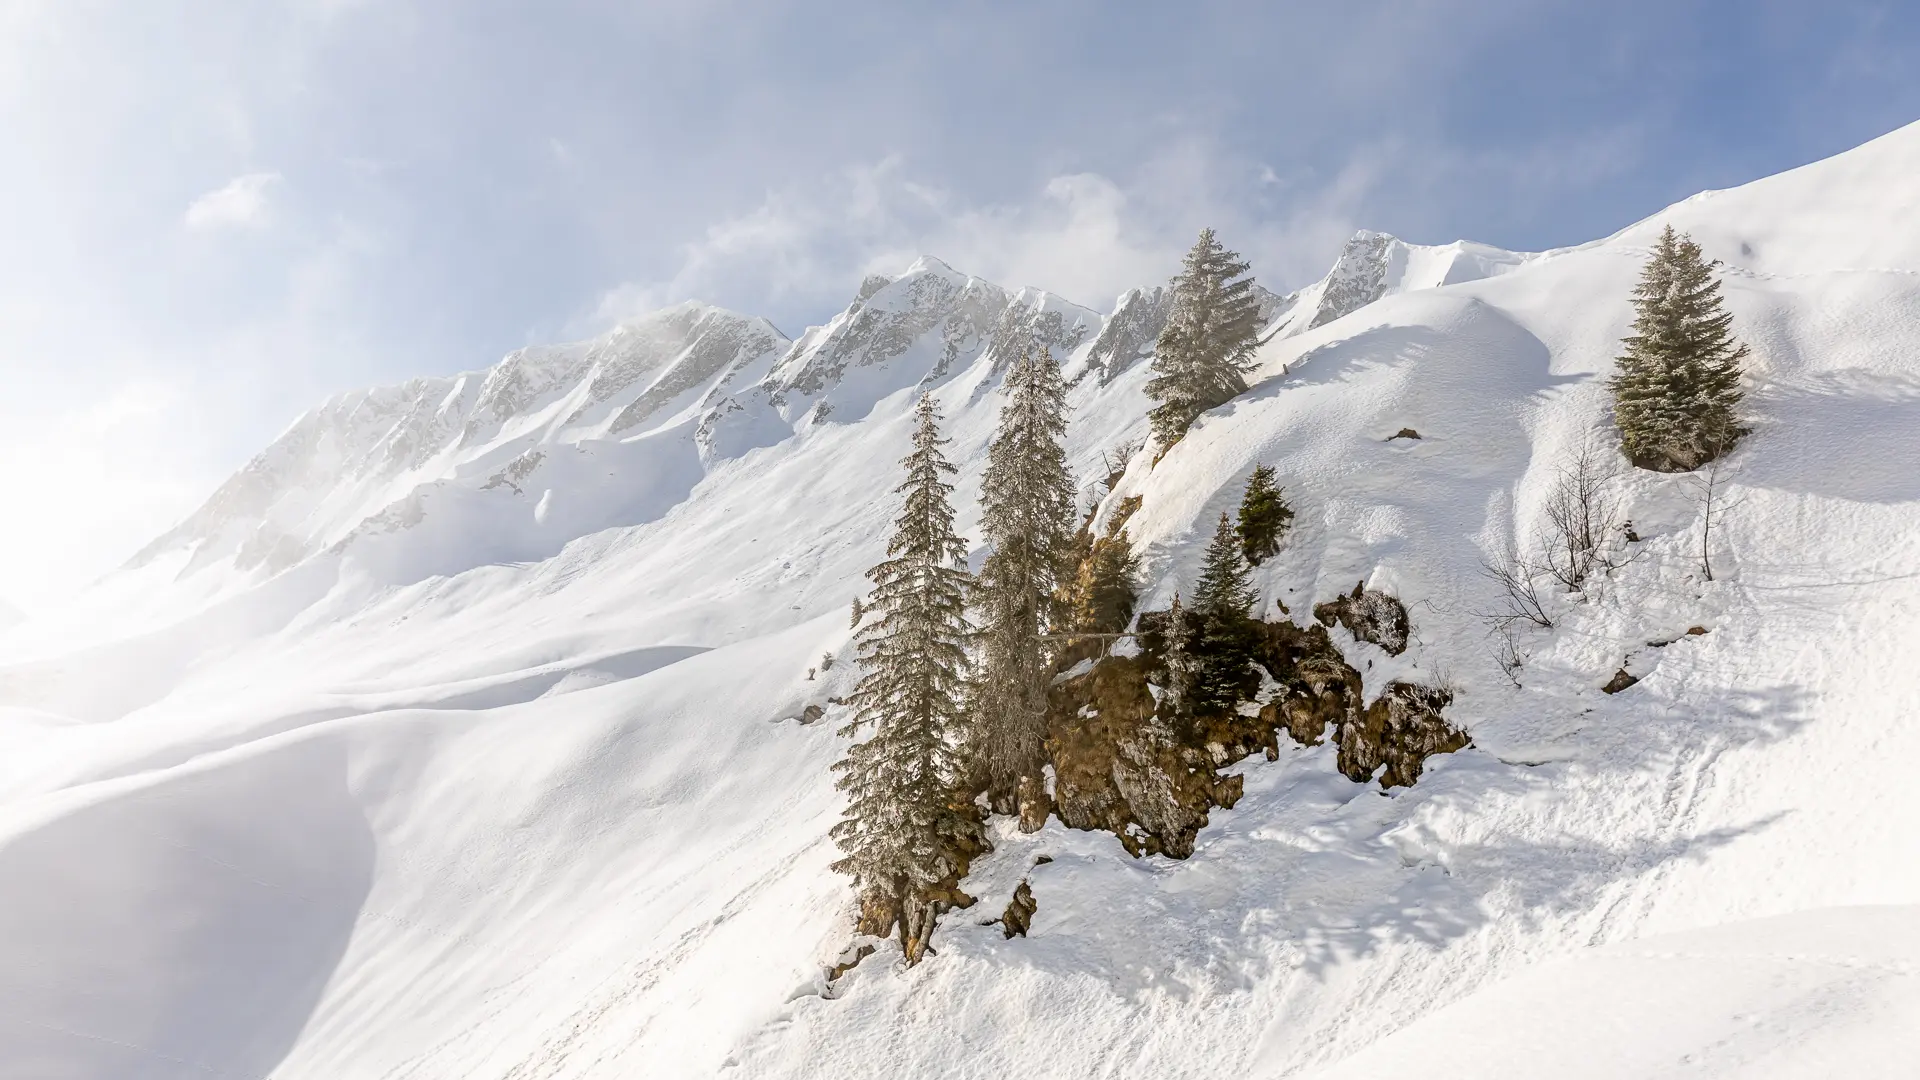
(1085, 236)
(95, 480)
(242, 202)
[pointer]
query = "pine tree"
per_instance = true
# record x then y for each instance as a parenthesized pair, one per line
(1027, 508)
(1206, 347)
(1265, 517)
(1677, 394)
(1223, 644)
(1182, 670)
(901, 821)
(1107, 586)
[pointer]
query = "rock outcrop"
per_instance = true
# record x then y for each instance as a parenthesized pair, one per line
(1369, 615)
(1123, 766)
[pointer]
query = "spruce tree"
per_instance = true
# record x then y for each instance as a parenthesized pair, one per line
(1027, 508)
(1677, 395)
(1265, 517)
(1206, 347)
(1223, 639)
(1107, 586)
(1176, 702)
(902, 820)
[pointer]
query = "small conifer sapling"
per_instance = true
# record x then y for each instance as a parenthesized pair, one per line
(1265, 517)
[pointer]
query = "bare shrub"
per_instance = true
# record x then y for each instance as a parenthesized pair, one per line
(1710, 492)
(1507, 654)
(1519, 601)
(1582, 519)
(1113, 464)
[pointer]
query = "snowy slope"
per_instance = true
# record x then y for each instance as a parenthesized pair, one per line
(1827, 993)
(508, 782)
(1375, 265)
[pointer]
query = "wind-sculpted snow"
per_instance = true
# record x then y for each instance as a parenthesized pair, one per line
(529, 776)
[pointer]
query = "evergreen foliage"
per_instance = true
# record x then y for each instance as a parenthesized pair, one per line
(1206, 347)
(1223, 638)
(1027, 511)
(1265, 517)
(1677, 394)
(1107, 586)
(1176, 702)
(901, 821)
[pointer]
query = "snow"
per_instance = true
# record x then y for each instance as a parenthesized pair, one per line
(1824, 993)
(478, 779)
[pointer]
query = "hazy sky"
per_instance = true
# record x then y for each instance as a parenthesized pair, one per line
(214, 213)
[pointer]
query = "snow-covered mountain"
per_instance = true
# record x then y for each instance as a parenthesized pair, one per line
(460, 733)
(1375, 265)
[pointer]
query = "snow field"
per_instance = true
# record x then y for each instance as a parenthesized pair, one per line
(520, 793)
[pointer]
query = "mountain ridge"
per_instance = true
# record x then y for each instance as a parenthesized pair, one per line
(740, 381)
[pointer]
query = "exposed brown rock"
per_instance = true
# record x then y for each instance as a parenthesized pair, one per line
(1404, 433)
(849, 964)
(1369, 615)
(1400, 730)
(1116, 766)
(1018, 917)
(1151, 780)
(1620, 681)
(1034, 803)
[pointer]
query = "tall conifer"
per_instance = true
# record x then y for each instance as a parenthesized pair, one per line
(1677, 394)
(1027, 508)
(1177, 702)
(901, 819)
(1206, 347)
(1223, 645)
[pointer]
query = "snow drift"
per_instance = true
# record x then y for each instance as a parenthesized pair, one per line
(459, 734)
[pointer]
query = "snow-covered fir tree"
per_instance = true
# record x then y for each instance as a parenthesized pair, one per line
(1222, 642)
(1027, 509)
(1265, 517)
(1676, 397)
(1207, 345)
(903, 818)
(1176, 699)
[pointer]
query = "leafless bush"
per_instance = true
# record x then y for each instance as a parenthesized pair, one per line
(1113, 464)
(1518, 581)
(1710, 491)
(1582, 520)
(1507, 654)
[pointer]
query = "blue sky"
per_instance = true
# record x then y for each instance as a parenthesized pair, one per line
(214, 213)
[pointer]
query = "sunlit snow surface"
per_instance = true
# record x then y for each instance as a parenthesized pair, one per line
(505, 781)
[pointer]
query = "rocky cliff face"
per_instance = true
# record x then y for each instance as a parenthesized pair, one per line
(912, 330)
